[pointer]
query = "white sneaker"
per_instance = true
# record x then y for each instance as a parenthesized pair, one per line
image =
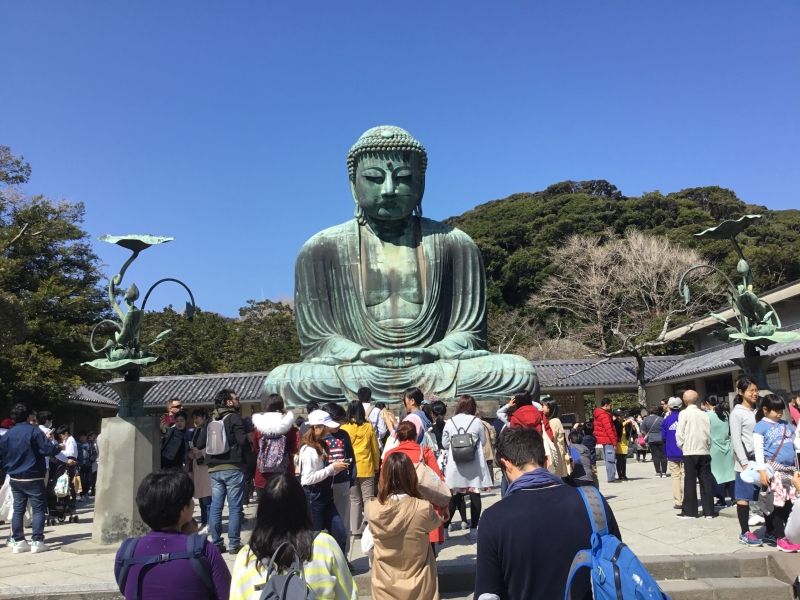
(17, 547)
(39, 547)
(203, 530)
(755, 520)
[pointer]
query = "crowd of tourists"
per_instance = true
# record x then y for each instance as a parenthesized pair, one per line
(399, 485)
(44, 470)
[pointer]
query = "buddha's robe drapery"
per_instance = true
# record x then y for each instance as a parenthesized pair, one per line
(335, 325)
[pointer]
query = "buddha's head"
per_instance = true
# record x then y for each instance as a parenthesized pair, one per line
(387, 174)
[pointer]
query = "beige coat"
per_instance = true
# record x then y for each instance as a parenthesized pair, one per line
(200, 476)
(403, 564)
(560, 442)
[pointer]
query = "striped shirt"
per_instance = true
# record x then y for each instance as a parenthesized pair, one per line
(326, 573)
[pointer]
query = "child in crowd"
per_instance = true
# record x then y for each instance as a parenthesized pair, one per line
(591, 445)
(581, 472)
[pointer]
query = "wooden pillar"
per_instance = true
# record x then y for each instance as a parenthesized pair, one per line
(598, 396)
(783, 371)
(700, 387)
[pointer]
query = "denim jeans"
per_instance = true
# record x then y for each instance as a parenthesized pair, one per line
(324, 515)
(205, 504)
(23, 491)
(610, 458)
(228, 483)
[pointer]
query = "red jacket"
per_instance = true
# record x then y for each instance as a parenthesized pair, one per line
(530, 416)
(604, 431)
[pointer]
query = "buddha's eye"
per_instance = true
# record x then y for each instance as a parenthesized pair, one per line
(402, 174)
(375, 175)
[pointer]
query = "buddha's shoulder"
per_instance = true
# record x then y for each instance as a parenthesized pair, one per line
(453, 234)
(331, 235)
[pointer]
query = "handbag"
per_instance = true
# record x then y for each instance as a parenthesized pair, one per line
(429, 486)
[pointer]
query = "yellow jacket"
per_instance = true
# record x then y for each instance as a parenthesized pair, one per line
(365, 447)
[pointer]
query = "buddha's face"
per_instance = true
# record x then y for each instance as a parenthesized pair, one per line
(388, 186)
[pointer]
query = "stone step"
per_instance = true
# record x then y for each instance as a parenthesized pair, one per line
(727, 588)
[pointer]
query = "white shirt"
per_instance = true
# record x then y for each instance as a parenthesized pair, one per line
(70, 450)
(312, 469)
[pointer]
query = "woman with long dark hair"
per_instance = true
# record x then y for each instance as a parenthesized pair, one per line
(403, 566)
(368, 460)
(283, 518)
(742, 422)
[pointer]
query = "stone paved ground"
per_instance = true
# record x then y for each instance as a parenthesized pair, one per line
(643, 507)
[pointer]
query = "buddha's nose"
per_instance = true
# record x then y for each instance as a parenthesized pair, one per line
(388, 188)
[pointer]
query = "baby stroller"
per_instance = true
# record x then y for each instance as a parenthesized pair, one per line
(61, 493)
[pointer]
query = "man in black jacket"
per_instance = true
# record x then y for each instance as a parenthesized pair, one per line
(527, 541)
(225, 470)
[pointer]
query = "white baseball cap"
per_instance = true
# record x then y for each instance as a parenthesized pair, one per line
(675, 402)
(320, 417)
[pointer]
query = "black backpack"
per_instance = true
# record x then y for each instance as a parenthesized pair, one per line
(171, 444)
(463, 444)
(290, 585)
(195, 554)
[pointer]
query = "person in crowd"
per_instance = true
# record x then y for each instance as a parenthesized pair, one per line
(311, 406)
(283, 518)
(94, 452)
(693, 437)
(743, 421)
(551, 411)
(488, 447)
(390, 419)
(793, 524)
(429, 437)
(66, 460)
(510, 541)
(374, 414)
(591, 445)
(173, 443)
(276, 441)
(23, 450)
(174, 406)
(606, 434)
(84, 464)
(774, 447)
(412, 401)
(407, 435)
(225, 471)
(466, 477)
(404, 565)
(581, 462)
(165, 504)
(794, 407)
(199, 469)
(340, 448)
(523, 410)
(317, 470)
(665, 410)
(621, 428)
(642, 447)
(721, 449)
(249, 458)
(439, 409)
(364, 439)
(650, 430)
(669, 428)
(44, 418)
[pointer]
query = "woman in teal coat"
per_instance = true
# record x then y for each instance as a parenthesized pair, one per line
(721, 449)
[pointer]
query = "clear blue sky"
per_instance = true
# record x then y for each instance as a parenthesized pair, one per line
(226, 124)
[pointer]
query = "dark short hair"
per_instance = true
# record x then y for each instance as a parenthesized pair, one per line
(415, 394)
(522, 398)
(588, 427)
(380, 405)
(552, 405)
(521, 446)
(311, 406)
(605, 402)
(355, 413)
(182, 413)
(336, 412)
(42, 416)
(274, 403)
(62, 429)
(575, 436)
(743, 383)
(20, 413)
(222, 397)
(162, 496)
(439, 408)
(772, 402)
(467, 405)
(364, 394)
(200, 412)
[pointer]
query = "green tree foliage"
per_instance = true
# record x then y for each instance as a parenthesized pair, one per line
(49, 295)
(517, 233)
(262, 338)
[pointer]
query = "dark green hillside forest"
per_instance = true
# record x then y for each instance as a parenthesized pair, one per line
(516, 233)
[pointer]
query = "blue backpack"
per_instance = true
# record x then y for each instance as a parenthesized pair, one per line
(195, 554)
(616, 572)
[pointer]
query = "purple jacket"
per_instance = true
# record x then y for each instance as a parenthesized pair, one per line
(176, 580)
(668, 429)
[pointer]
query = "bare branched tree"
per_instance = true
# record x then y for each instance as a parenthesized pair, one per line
(622, 293)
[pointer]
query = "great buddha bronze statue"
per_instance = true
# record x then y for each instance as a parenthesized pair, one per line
(389, 299)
